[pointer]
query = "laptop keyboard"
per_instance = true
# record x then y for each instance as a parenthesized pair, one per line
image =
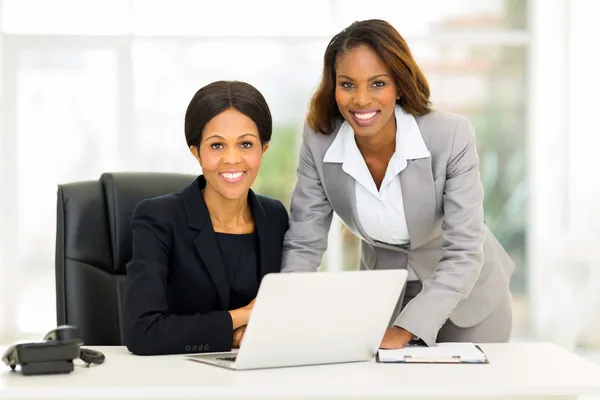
(227, 358)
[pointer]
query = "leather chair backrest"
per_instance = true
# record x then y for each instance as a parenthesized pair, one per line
(93, 247)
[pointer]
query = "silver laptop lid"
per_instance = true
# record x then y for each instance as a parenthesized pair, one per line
(309, 318)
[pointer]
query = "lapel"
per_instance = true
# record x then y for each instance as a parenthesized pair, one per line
(340, 190)
(418, 196)
(206, 240)
(266, 255)
(339, 186)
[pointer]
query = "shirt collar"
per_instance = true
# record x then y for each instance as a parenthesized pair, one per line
(409, 142)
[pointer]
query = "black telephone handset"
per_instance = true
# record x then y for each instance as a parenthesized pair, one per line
(52, 355)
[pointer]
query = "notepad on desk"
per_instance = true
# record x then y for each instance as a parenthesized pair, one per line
(443, 353)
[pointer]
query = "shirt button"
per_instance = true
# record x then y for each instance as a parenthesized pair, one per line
(188, 347)
(194, 347)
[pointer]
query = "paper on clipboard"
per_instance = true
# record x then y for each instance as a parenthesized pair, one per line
(441, 353)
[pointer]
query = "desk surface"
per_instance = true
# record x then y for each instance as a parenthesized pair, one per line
(518, 370)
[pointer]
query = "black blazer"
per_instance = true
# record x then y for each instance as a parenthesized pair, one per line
(177, 293)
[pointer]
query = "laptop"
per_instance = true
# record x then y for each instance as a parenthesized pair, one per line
(311, 318)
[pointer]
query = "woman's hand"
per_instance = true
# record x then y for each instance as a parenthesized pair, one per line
(395, 338)
(238, 336)
(241, 316)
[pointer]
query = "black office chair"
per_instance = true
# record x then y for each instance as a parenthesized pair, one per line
(93, 246)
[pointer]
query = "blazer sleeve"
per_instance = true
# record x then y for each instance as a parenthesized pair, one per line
(310, 215)
(150, 328)
(463, 234)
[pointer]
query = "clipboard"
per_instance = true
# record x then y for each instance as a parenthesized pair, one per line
(452, 353)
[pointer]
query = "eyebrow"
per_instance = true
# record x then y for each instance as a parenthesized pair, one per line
(222, 138)
(371, 78)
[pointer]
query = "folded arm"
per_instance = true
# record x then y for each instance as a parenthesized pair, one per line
(463, 237)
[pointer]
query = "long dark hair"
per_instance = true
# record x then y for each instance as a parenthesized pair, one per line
(385, 40)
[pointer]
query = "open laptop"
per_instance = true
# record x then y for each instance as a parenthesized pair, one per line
(311, 318)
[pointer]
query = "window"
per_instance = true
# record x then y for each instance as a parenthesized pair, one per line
(66, 130)
(232, 18)
(105, 86)
(69, 17)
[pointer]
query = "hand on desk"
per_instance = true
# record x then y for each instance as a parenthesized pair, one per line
(239, 323)
(241, 316)
(395, 338)
(238, 336)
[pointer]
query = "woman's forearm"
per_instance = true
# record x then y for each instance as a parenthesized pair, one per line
(240, 317)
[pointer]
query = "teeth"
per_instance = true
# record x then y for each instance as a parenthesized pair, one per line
(366, 116)
(230, 175)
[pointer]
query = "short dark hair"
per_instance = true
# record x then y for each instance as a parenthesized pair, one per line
(214, 98)
(391, 47)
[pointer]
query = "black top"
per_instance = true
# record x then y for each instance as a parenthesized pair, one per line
(240, 259)
(178, 283)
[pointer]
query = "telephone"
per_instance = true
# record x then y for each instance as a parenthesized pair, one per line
(52, 355)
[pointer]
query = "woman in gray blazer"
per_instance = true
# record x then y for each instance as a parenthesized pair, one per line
(404, 178)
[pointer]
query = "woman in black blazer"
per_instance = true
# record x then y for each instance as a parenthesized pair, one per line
(199, 255)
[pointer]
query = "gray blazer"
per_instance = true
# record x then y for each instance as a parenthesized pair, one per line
(464, 269)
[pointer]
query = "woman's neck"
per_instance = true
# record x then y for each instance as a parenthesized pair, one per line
(381, 145)
(228, 215)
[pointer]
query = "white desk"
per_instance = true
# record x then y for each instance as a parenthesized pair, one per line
(516, 371)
